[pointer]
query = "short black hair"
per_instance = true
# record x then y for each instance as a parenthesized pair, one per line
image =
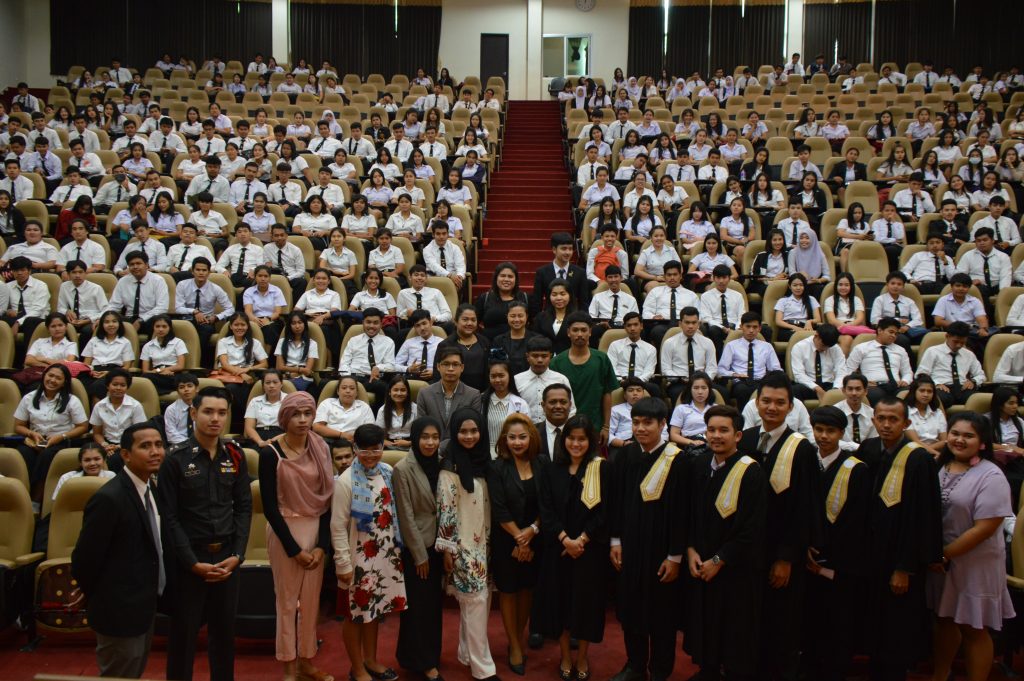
(958, 330)
(561, 239)
(651, 408)
(555, 386)
(749, 317)
(214, 392)
(832, 417)
(185, 378)
(777, 380)
(726, 411)
(372, 312)
(369, 435)
(961, 278)
(855, 377)
(828, 333)
(128, 434)
(539, 344)
(887, 322)
(117, 372)
(447, 351)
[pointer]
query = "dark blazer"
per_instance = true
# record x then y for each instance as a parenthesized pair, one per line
(543, 324)
(547, 449)
(116, 562)
(508, 498)
(750, 169)
(578, 286)
(430, 402)
(417, 507)
(838, 173)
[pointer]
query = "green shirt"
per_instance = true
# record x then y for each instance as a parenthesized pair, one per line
(590, 382)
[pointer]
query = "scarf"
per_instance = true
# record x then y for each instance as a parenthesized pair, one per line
(581, 97)
(632, 89)
(431, 465)
(310, 501)
(468, 463)
(364, 507)
(808, 260)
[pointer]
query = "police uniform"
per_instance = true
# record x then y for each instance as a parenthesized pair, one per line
(207, 508)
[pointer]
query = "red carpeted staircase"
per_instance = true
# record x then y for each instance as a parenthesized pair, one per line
(528, 198)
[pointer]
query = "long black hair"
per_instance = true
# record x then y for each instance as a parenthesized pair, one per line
(63, 395)
(805, 298)
(289, 336)
(389, 404)
(577, 422)
(995, 415)
(980, 425)
(170, 329)
(248, 334)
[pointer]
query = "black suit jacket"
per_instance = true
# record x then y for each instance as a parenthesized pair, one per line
(546, 448)
(578, 286)
(838, 174)
(544, 324)
(116, 562)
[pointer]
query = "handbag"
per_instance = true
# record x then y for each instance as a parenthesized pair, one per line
(225, 377)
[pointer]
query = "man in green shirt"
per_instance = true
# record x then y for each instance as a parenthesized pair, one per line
(590, 373)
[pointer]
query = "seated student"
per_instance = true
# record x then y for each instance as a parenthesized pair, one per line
(240, 259)
(605, 253)
(416, 356)
(664, 304)
(959, 306)
(244, 189)
(79, 300)
(794, 223)
(82, 248)
(952, 225)
(26, 300)
(913, 202)
(809, 260)
(818, 363)
(721, 307)
(196, 300)
(419, 296)
(860, 426)
(882, 361)
(930, 270)
(369, 355)
(42, 256)
(796, 311)
(140, 295)
(989, 269)
(746, 360)
(597, 191)
(333, 196)
(1004, 229)
(70, 190)
(892, 303)
(113, 414)
(357, 145)
(608, 308)
(803, 165)
(686, 353)
(851, 170)
(444, 259)
(387, 258)
(285, 193)
(620, 423)
(632, 357)
(211, 182)
(532, 383)
(715, 170)
(182, 254)
(956, 371)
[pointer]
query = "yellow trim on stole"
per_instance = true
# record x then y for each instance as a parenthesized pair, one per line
(892, 487)
(591, 496)
(782, 471)
(654, 481)
(728, 498)
(836, 498)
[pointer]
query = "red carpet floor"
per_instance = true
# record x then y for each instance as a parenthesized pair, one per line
(528, 197)
(255, 659)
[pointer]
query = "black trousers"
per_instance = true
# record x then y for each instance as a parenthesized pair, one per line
(741, 390)
(956, 395)
(656, 650)
(419, 631)
(656, 330)
(802, 392)
(881, 390)
(197, 602)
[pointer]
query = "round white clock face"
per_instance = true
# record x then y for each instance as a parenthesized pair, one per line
(585, 5)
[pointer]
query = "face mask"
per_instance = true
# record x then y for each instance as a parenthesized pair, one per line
(974, 160)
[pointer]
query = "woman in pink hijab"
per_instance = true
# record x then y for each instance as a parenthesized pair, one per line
(296, 484)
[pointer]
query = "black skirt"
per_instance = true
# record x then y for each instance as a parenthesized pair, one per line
(419, 632)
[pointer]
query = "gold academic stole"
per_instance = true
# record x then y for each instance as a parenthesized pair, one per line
(837, 494)
(782, 471)
(591, 496)
(728, 499)
(892, 487)
(654, 481)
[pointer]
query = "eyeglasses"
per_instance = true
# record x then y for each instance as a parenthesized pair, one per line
(370, 452)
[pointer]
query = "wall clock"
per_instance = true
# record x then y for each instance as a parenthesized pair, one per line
(585, 5)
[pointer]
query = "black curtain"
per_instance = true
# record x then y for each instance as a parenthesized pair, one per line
(332, 32)
(645, 41)
(916, 30)
(86, 33)
(750, 36)
(419, 38)
(235, 30)
(986, 33)
(687, 39)
(847, 22)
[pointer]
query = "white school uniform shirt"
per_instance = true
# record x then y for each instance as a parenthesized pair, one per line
(36, 297)
(219, 187)
(405, 226)
(125, 142)
(92, 299)
(69, 192)
(531, 386)
(904, 199)
(152, 301)
(706, 264)
(602, 304)
(355, 359)
(733, 152)
(937, 362)
(999, 266)
(710, 172)
(259, 224)
(833, 364)
(45, 348)
(399, 150)
(711, 306)
(632, 197)
(928, 426)
(232, 256)
(658, 302)
(885, 306)
(45, 419)
(385, 261)
(674, 356)
(337, 417)
(343, 261)
(194, 169)
(793, 310)
(229, 168)
(646, 358)
(210, 296)
(1005, 229)
(331, 194)
(115, 420)
(49, 167)
(881, 229)
(24, 188)
(1010, 368)
(654, 260)
(864, 422)
(342, 172)
(108, 195)
(312, 302)
(1018, 278)
(182, 255)
(90, 252)
(431, 300)
(364, 300)
(104, 351)
(363, 147)
(308, 222)
(236, 353)
(166, 356)
(921, 266)
(244, 144)
(263, 411)
(866, 358)
(292, 262)
(455, 263)
(292, 355)
(968, 311)
(37, 253)
(618, 129)
(699, 152)
(211, 147)
(798, 419)
(210, 224)
(263, 304)
(90, 140)
(797, 169)
(457, 197)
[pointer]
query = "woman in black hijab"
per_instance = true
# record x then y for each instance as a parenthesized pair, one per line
(463, 533)
(415, 481)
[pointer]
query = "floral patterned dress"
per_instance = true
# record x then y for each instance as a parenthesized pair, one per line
(374, 557)
(463, 528)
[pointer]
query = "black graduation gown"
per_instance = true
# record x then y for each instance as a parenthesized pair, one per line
(834, 623)
(908, 537)
(793, 524)
(571, 591)
(650, 532)
(723, 623)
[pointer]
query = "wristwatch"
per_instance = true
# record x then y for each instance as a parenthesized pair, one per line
(715, 560)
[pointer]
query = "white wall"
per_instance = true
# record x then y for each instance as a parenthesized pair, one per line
(12, 40)
(462, 22)
(25, 43)
(607, 24)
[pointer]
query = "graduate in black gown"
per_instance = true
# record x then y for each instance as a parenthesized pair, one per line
(728, 497)
(574, 562)
(648, 541)
(837, 587)
(905, 521)
(793, 524)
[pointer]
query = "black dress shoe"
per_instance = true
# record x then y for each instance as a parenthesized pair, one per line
(629, 674)
(535, 641)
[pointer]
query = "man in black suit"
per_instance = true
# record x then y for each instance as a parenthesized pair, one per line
(118, 560)
(562, 246)
(793, 523)
(556, 400)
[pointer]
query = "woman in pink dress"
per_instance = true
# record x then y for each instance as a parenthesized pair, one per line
(968, 594)
(296, 485)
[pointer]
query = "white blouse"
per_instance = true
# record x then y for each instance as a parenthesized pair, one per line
(313, 302)
(236, 353)
(44, 348)
(929, 425)
(166, 356)
(103, 352)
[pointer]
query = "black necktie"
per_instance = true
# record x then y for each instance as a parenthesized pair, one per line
(208, 143)
(14, 192)
(672, 307)
(241, 261)
(725, 312)
(197, 305)
(184, 256)
(155, 529)
(896, 309)
(119, 190)
(913, 205)
(954, 369)
(138, 300)
(988, 272)
(280, 256)
(690, 365)
(795, 230)
(889, 225)
(632, 360)
(78, 252)
(75, 307)
(817, 368)
(750, 360)
(321, 145)
(856, 427)
(423, 355)
(561, 273)
(21, 302)
(209, 187)
(615, 307)
(938, 270)
(887, 365)
(248, 186)
(440, 254)
(369, 353)
(419, 301)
